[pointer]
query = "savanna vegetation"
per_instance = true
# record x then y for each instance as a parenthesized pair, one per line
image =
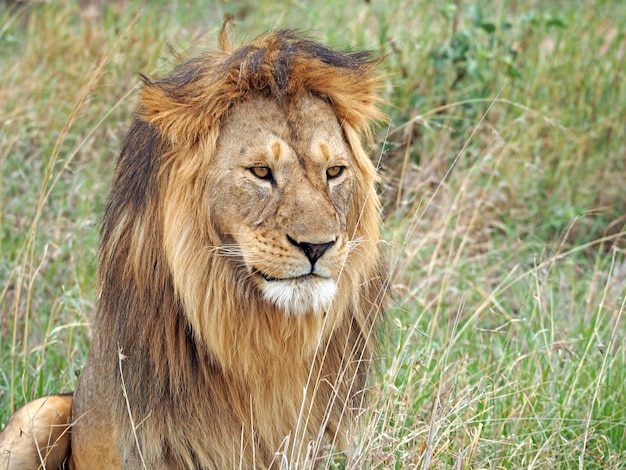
(503, 171)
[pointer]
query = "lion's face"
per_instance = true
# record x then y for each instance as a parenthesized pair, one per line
(283, 184)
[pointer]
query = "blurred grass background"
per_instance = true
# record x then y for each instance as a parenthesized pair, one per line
(504, 181)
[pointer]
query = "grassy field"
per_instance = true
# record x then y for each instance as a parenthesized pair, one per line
(504, 181)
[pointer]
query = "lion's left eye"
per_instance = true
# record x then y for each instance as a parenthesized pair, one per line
(261, 172)
(335, 171)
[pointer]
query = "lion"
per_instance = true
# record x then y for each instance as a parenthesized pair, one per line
(241, 277)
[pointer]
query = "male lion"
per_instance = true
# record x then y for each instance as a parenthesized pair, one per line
(240, 276)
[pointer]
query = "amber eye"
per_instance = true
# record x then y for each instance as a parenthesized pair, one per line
(335, 171)
(261, 172)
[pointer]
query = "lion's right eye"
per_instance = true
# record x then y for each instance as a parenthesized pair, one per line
(335, 172)
(261, 172)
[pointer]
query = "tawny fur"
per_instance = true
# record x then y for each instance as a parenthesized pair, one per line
(190, 366)
(37, 435)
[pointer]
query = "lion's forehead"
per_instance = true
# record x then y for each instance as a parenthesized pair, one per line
(321, 150)
(260, 128)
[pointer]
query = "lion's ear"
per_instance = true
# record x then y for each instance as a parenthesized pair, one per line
(178, 112)
(165, 112)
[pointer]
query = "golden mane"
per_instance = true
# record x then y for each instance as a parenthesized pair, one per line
(191, 101)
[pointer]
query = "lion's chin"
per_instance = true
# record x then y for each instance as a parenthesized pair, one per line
(300, 296)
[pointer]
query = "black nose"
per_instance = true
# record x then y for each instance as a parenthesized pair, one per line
(313, 251)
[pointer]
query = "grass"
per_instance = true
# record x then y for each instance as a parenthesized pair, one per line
(503, 168)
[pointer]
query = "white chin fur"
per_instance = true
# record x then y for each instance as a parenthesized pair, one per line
(302, 296)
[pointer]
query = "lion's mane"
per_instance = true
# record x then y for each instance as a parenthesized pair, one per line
(204, 361)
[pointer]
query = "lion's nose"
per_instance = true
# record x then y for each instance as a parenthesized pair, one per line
(313, 251)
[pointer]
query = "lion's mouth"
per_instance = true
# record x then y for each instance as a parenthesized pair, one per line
(269, 278)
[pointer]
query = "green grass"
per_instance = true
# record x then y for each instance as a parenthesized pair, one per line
(504, 175)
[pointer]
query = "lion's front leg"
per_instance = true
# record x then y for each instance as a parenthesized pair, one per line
(37, 435)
